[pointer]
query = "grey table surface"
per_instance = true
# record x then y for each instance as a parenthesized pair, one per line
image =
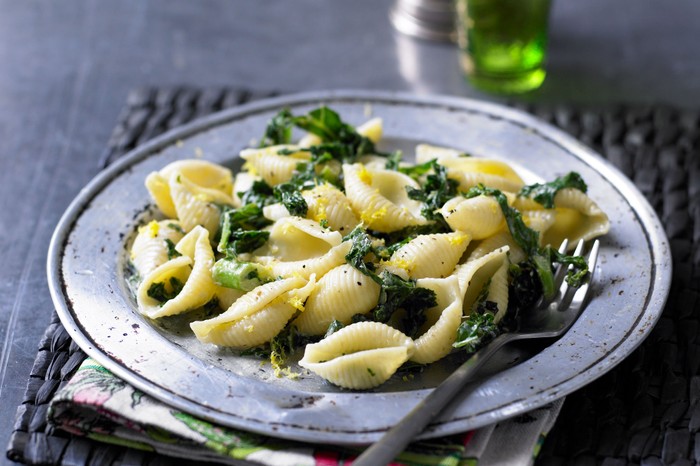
(68, 66)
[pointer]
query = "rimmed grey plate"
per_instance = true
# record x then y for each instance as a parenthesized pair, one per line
(88, 255)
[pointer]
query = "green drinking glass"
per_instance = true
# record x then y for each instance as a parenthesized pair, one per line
(503, 43)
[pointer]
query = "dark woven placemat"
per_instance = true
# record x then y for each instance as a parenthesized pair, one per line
(645, 411)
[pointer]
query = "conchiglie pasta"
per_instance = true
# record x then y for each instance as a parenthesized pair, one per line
(434, 255)
(476, 274)
(442, 321)
(479, 216)
(196, 205)
(150, 248)
(272, 166)
(339, 295)
(192, 270)
(482, 165)
(257, 316)
(301, 247)
(201, 173)
(360, 356)
(380, 198)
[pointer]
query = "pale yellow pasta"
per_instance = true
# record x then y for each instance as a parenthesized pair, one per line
(257, 316)
(271, 166)
(498, 291)
(479, 216)
(360, 356)
(339, 294)
(427, 152)
(380, 198)
(192, 269)
(150, 247)
(207, 175)
(434, 255)
(306, 267)
(371, 129)
(468, 180)
(227, 296)
(196, 205)
(482, 165)
(497, 241)
(576, 217)
(327, 205)
(295, 238)
(474, 275)
(440, 329)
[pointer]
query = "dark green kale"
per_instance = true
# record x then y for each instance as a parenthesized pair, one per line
(475, 330)
(397, 293)
(279, 129)
(260, 194)
(362, 245)
(333, 327)
(478, 327)
(290, 196)
(528, 240)
(436, 191)
(544, 193)
(160, 292)
(241, 230)
(172, 252)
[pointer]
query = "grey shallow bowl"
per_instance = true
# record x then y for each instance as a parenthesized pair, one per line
(88, 257)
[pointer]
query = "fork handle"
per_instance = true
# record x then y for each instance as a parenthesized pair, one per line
(395, 440)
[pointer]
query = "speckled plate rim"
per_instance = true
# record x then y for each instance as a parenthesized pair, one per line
(461, 416)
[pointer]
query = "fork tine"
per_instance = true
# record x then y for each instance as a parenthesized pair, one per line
(582, 292)
(564, 299)
(560, 271)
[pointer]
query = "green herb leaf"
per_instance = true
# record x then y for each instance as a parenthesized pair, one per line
(397, 293)
(164, 293)
(172, 252)
(475, 330)
(279, 129)
(437, 190)
(544, 193)
(290, 196)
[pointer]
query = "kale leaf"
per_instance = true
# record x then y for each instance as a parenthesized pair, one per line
(397, 293)
(436, 191)
(475, 330)
(544, 193)
(162, 293)
(241, 230)
(239, 275)
(290, 196)
(279, 129)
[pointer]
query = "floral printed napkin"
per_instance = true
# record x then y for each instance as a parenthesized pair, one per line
(97, 404)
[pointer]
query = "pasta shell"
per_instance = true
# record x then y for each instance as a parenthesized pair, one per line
(360, 356)
(257, 316)
(339, 295)
(270, 165)
(474, 275)
(380, 198)
(482, 165)
(196, 205)
(295, 238)
(192, 269)
(442, 320)
(479, 216)
(427, 152)
(434, 255)
(497, 241)
(204, 174)
(150, 247)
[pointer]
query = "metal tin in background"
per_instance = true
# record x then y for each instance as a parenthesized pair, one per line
(426, 19)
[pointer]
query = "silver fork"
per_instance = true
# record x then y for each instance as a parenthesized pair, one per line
(553, 319)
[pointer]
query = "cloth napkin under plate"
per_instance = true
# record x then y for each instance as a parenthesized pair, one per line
(97, 404)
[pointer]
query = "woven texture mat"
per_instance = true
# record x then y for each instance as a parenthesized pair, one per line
(645, 411)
